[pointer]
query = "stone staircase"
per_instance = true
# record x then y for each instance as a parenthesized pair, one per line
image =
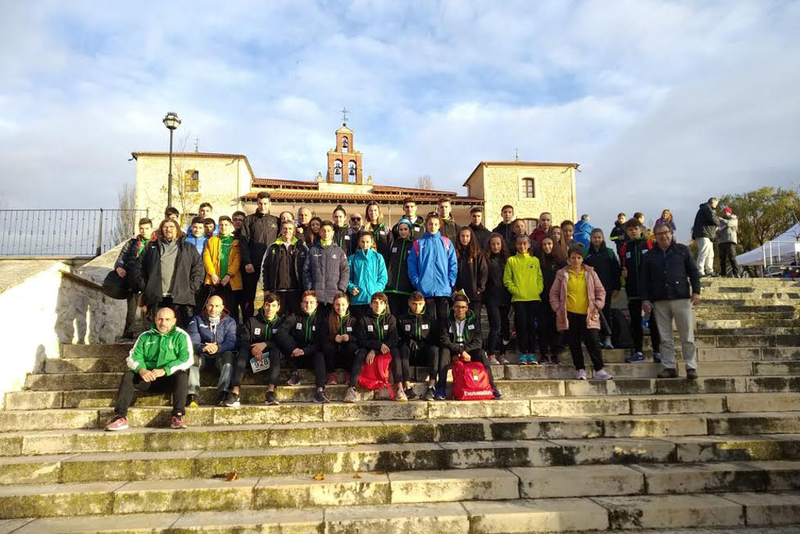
(556, 455)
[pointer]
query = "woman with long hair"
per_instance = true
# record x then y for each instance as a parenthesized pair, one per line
(666, 219)
(472, 272)
(381, 234)
(497, 299)
(546, 319)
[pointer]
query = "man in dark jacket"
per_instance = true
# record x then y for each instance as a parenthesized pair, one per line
(343, 234)
(506, 227)
(325, 269)
(476, 223)
(170, 273)
(410, 214)
(128, 262)
(258, 232)
(703, 232)
(670, 287)
(213, 335)
(283, 266)
(449, 227)
(618, 235)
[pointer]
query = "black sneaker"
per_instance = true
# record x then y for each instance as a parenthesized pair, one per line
(232, 400)
(691, 374)
(294, 380)
(410, 395)
(429, 394)
(270, 399)
(319, 396)
(223, 395)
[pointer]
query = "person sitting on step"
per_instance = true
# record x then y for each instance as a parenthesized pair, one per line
(307, 330)
(418, 345)
(213, 335)
(340, 345)
(159, 361)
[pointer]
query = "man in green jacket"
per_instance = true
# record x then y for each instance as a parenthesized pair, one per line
(159, 361)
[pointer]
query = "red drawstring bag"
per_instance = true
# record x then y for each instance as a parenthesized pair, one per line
(375, 375)
(471, 381)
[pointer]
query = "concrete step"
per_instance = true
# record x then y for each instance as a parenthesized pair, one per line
(744, 322)
(744, 314)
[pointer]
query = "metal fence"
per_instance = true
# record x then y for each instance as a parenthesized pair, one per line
(65, 232)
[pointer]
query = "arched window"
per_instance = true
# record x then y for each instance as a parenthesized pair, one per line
(528, 188)
(337, 167)
(345, 144)
(192, 179)
(351, 171)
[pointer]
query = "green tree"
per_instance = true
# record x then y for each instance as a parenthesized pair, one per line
(763, 214)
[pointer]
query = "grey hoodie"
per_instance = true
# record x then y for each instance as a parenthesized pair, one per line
(728, 227)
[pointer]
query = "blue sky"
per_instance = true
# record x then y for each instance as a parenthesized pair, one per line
(663, 103)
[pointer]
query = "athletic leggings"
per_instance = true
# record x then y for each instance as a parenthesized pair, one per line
(524, 319)
(546, 330)
(498, 327)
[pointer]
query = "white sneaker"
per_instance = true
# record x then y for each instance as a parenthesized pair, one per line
(582, 374)
(602, 374)
(493, 360)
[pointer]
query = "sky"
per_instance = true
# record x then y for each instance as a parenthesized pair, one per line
(662, 103)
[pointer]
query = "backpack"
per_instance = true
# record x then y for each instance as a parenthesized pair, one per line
(471, 381)
(445, 240)
(375, 375)
(621, 336)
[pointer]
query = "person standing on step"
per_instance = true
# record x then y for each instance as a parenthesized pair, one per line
(159, 361)
(381, 234)
(342, 234)
(462, 339)
(523, 279)
(377, 334)
(303, 220)
(222, 260)
(213, 335)
(633, 252)
(238, 218)
(476, 224)
(549, 338)
(259, 231)
(577, 297)
(308, 330)
(497, 299)
(618, 235)
(197, 235)
(543, 226)
(568, 232)
(472, 269)
(506, 227)
(281, 272)
(325, 270)
(704, 231)
(418, 344)
(170, 274)
(603, 260)
(367, 275)
(416, 221)
(263, 344)
(340, 345)
(727, 239)
(583, 231)
(433, 268)
(127, 264)
(670, 288)
(399, 286)
(449, 227)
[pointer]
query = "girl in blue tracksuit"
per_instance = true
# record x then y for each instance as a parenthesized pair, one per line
(367, 274)
(433, 268)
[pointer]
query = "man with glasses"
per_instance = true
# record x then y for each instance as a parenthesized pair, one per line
(417, 222)
(670, 286)
(356, 227)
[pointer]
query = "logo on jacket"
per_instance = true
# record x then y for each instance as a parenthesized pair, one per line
(475, 376)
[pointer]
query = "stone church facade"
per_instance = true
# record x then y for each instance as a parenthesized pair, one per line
(228, 182)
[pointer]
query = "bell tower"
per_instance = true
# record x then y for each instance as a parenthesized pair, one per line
(344, 162)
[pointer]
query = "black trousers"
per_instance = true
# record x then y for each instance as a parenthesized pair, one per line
(637, 331)
(727, 253)
(499, 327)
(315, 361)
(605, 325)
(242, 364)
(290, 300)
(476, 355)
(130, 315)
(578, 333)
(340, 356)
(546, 330)
(524, 320)
(401, 366)
(476, 306)
(177, 383)
(437, 306)
(398, 303)
(249, 285)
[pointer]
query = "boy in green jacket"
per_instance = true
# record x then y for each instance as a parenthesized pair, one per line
(159, 361)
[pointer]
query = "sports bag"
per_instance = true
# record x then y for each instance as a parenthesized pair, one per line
(375, 375)
(471, 381)
(115, 287)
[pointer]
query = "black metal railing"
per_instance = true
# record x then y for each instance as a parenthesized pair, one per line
(65, 232)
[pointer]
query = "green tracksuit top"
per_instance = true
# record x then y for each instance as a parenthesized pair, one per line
(153, 350)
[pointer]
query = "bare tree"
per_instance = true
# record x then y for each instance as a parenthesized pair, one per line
(126, 216)
(425, 181)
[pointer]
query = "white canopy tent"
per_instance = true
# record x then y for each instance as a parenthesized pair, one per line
(780, 251)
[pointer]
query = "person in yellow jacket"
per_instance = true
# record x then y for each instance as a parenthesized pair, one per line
(523, 279)
(222, 259)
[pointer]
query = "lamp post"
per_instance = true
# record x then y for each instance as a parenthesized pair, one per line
(171, 121)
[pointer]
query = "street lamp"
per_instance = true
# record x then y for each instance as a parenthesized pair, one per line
(171, 121)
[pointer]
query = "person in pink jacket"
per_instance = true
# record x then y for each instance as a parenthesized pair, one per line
(577, 296)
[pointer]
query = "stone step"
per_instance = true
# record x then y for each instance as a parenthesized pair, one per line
(744, 314)
(744, 322)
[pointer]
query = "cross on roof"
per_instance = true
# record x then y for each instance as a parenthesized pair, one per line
(345, 111)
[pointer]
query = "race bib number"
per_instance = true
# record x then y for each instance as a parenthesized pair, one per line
(258, 366)
(408, 328)
(369, 328)
(256, 331)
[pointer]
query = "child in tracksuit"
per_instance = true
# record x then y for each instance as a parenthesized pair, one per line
(308, 329)
(632, 253)
(604, 262)
(418, 344)
(399, 284)
(462, 339)
(339, 345)
(377, 334)
(523, 279)
(367, 274)
(263, 336)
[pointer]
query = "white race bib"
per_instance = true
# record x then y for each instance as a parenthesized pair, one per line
(369, 328)
(256, 331)
(258, 366)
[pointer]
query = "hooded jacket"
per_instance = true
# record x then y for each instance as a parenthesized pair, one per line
(523, 278)
(604, 262)
(375, 330)
(129, 257)
(669, 274)
(344, 238)
(283, 266)
(186, 279)
(326, 271)
(633, 253)
(496, 293)
(705, 222)
(368, 274)
(258, 329)
(472, 275)
(397, 268)
(201, 331)
(618, 236)
(259, 231)
(198, 242)
(471, 336)
(596, 294)
(383, 238)
(433, 266)
(211, 261)
(172, 351)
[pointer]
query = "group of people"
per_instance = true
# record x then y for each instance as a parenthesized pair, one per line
(338, 294)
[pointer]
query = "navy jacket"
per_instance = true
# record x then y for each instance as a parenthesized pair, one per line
(201, 332)
(326, 271)
(669, 274)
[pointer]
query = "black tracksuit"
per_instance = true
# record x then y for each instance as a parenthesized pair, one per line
(606, 265)
(258, 329)
(471, 278)
(282, 272)
(398, 285)
(633, 253)
(453, 344)
(374, 331)
(308, 332)
(497, 300)
(341, 355)
(258, 232)
(383, 238)
(506, 230)
(547, 332)
(418, 343)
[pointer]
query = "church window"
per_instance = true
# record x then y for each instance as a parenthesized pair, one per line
(351, 170)
(337, 168)
(192, 181)
(345, 144)
(528, 188)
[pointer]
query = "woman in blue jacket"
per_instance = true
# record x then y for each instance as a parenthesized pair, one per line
(367, 275)
(433, 268)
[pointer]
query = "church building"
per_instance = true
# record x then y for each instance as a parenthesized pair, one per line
(228, 182)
